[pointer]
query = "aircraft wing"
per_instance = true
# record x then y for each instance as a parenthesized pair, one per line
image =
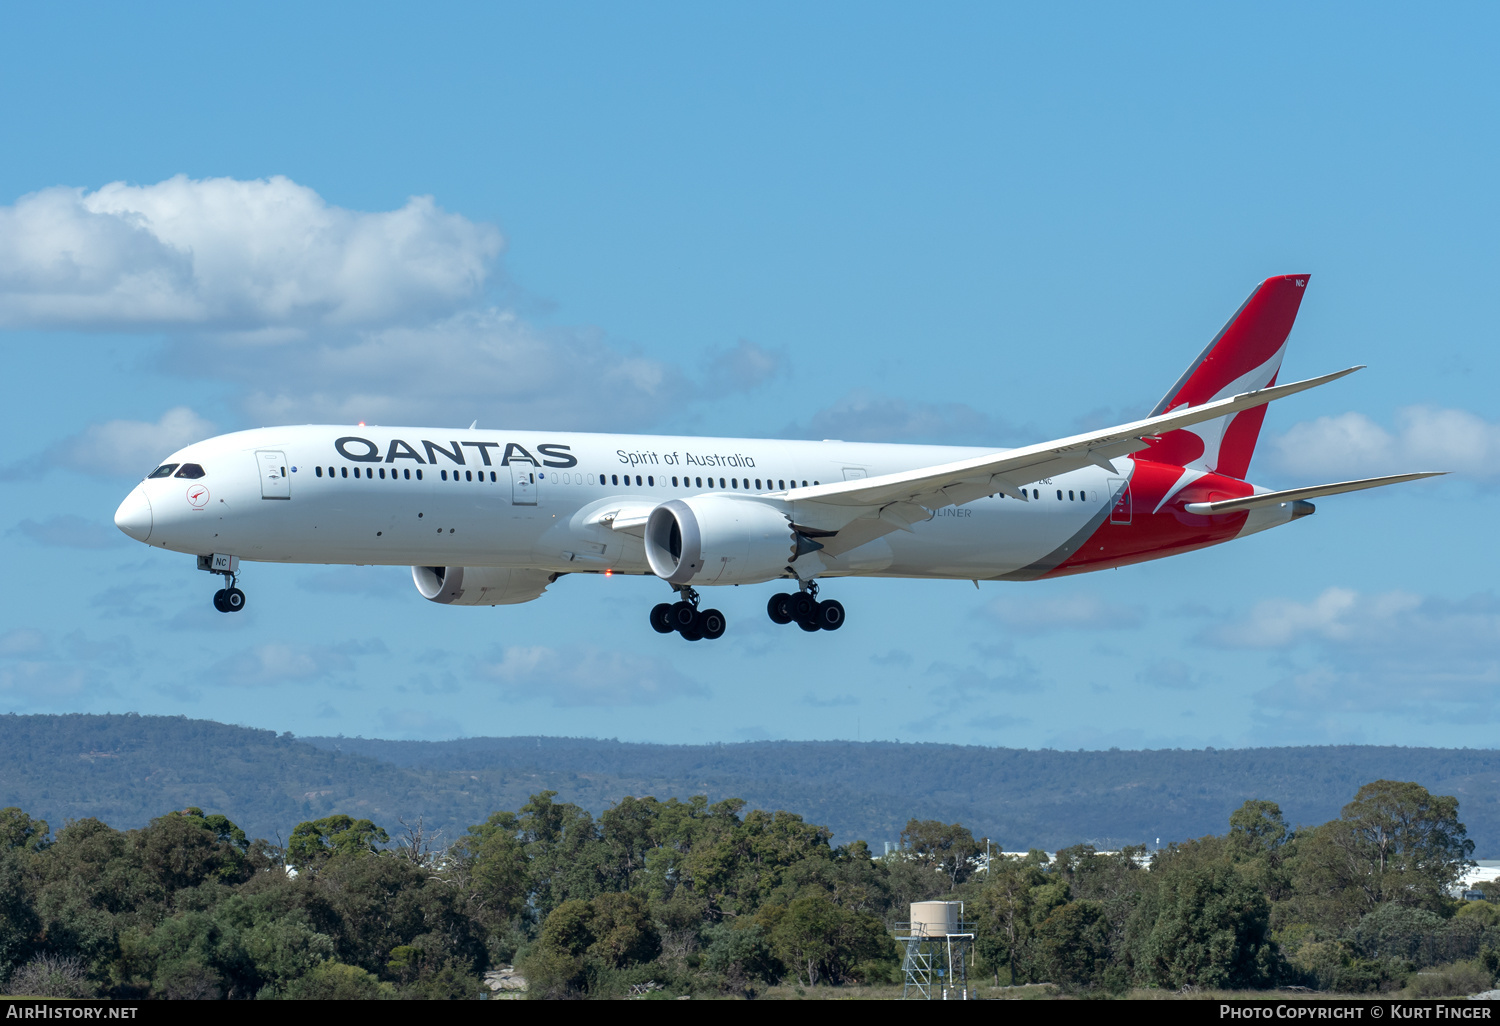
(903, 498)
(1310, 492)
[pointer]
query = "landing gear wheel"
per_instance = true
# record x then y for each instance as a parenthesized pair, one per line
(808, 625)
(803, 607)
(692, 631)
(219, 602)
(830, 615)
(779, 608)
(683, 616)
(712, 623)
(661, 618)
(234, 600)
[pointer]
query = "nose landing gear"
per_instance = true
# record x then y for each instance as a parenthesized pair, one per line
(684, 617)
(228, 599)
(803, 608)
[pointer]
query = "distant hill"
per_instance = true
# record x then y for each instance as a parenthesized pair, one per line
(126, 769)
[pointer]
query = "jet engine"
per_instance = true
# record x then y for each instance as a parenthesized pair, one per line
(717, 539)
(479, 585)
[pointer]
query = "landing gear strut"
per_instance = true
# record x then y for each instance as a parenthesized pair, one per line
(803, 608)
(228, 599)
(684, 617)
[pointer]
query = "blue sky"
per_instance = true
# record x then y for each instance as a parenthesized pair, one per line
(969, 223)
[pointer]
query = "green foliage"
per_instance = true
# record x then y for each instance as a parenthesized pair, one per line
(1257, 828)
(1395, 843)
(18, 830)
(741, 956)
(1201, 923)
(580, 940)
(947, 848)
(335, 981)
(313, 842)
(691, 896)
(820, 941)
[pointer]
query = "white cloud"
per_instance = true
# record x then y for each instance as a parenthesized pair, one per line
(70, 531)
(1072, 612)
(226, 255)
(587, 676)
(1337, 616)
(1425, 438)
(1359, 653)
(863, 416)
(743, 367)
(1172, 674)
(276, 662)
(485, 364)
(118, 448)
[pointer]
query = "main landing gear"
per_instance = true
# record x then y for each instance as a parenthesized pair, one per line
(684, 617)
(804, 609)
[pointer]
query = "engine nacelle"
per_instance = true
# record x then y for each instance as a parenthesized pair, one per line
(479, 585)
(717, 539)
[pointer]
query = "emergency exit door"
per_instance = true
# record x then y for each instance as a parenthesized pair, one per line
(275, 480)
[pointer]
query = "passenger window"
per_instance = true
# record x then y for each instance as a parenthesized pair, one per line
(1070, 495)
(637, 479)
(651, 480)
(1035, 494)
(419, 475)
(700, 482)
(406, 474)
(781, 483)
(444, 473)
(757, 484)
(734, 482)
(318, 471)
(343, 471)
(674, 482)
(382, 473)
(192, 471)
(614, 479)
(1059, 495)
(165, 470)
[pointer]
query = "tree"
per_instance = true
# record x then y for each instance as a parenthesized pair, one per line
(1256, 827)
(819, 940)
(314, 841)
(1073, 945)
(948, 847)
(1394, 843)
(1201, 923)
(1002, 913)
(580, 939)
(18, 830)
(183, 849)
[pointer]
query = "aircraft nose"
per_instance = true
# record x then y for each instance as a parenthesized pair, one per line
(134, 515)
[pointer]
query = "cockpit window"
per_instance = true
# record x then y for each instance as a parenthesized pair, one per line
(165, 470)
(190, 471)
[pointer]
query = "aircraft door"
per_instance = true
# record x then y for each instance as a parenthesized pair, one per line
(1119, 513)
(275, 479)
(854, 473)
(522, 485)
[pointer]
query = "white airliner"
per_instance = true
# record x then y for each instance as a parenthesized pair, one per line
(495, 517)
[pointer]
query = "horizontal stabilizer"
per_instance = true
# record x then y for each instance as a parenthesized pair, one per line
(1310, 492)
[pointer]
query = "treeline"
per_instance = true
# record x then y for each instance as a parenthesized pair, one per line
(125, 769)
(705, 898)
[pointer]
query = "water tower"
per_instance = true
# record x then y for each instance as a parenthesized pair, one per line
(938, 946)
